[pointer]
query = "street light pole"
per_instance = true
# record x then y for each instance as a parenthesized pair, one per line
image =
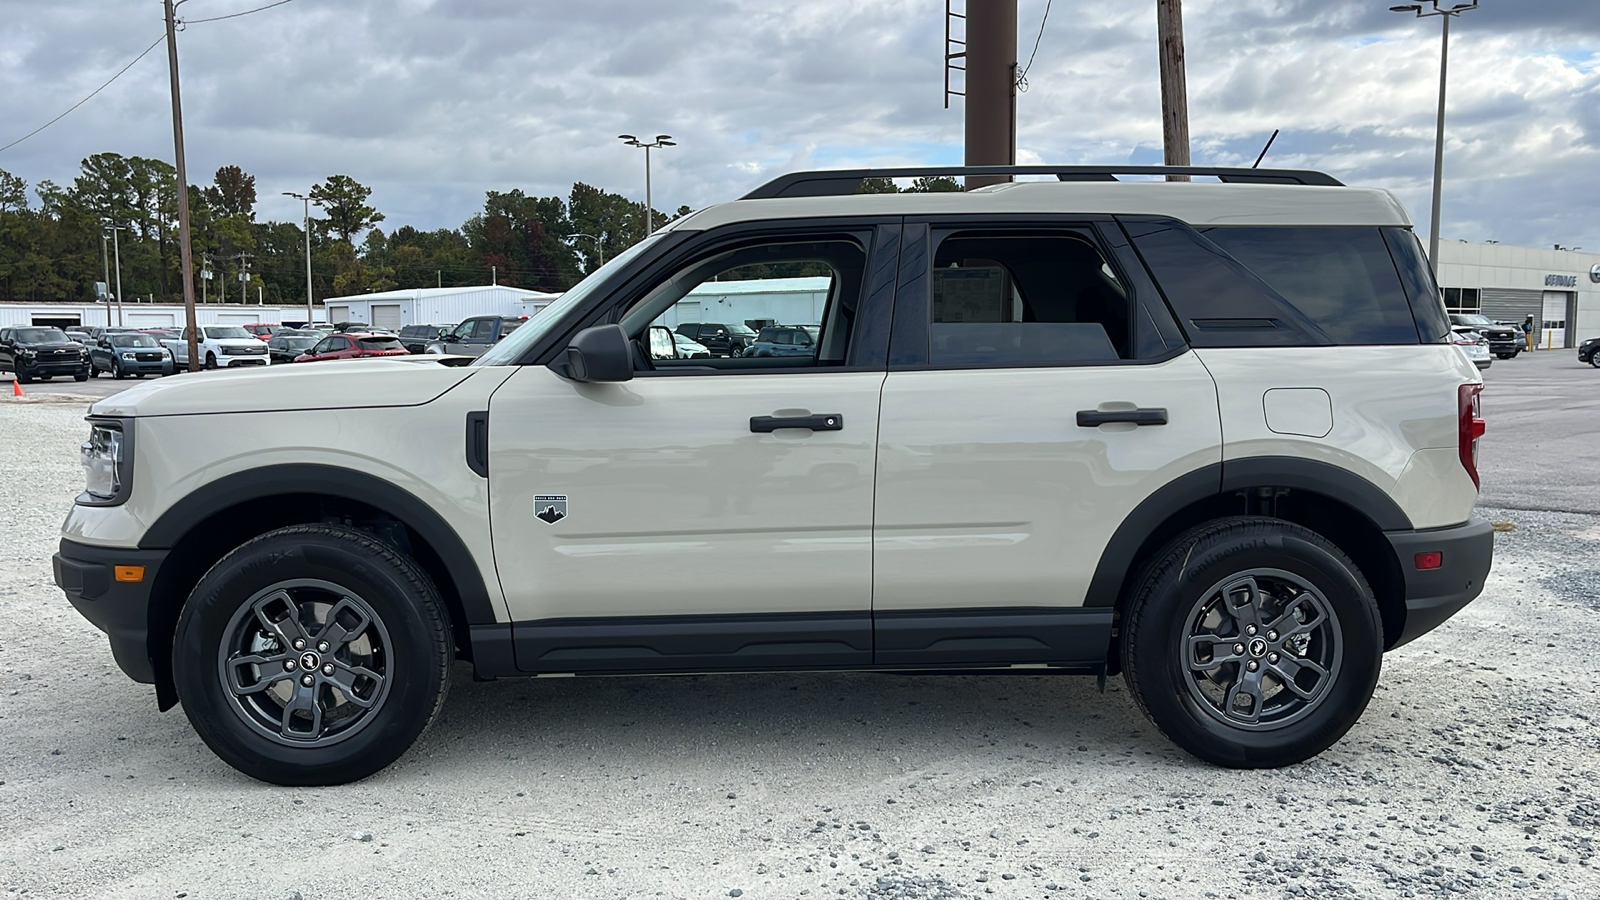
(599, 248)
(1438, 137)
(105, 265)
(662, 140)
(117, 255)
(306, 198)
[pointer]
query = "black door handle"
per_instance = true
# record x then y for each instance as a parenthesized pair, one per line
(820, 422)
(1089, 418)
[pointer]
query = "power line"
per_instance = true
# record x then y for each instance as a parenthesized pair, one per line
(1022, 77)
(235, 15)
(86, 99)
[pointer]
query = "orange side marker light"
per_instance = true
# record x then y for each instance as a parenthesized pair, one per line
(133, 574)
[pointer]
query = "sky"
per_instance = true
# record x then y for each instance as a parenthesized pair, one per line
(433, 102)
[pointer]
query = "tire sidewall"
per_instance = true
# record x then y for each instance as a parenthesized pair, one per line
(416, 660)
(1162, 683)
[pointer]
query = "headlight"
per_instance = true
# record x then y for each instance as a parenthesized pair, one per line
(107, 463)
(128, 355)
(29, 353)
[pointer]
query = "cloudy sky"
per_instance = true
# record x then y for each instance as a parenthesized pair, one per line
(433, 102)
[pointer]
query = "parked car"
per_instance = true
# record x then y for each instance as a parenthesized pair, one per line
(1504, 340)
(81, 335)
(353, 345)
(785, 340)
(343, 327)
(1473, 344)
(287, 346)
(688, 348)
(129, 353)
(1086, 427)
(1587, 352)
(476, 335)
(263, 331)
(219, 347)
(417, 337)
(38, 351)
(720, 339)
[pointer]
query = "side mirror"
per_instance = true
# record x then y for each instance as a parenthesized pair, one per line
(600, 354)
(662, 346)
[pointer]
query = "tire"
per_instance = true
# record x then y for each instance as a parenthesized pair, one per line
(81, 376)
(116, 371)
(1594, 360)
(211, 360)
(94, 371)
(1180, 619)
(24, 377)
(386, 684)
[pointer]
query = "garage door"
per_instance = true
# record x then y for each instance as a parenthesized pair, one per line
(150, 320)
(386, 316)
(1556, 309)
(338, 314)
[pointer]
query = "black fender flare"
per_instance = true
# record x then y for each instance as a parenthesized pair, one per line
(1220, 479)
(333, 481)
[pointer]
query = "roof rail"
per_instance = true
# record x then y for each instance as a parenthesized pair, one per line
(831, 183)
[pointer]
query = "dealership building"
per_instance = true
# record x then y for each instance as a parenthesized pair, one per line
(1560, 289)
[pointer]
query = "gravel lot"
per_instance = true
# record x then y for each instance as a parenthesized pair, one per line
(1474, 773)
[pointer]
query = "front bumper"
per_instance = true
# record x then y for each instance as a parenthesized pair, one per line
(1434, 595)
(137, 367)
(87, 574)
(36, 367)
(233, 361)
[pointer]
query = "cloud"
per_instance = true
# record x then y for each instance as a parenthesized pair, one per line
(434, 102)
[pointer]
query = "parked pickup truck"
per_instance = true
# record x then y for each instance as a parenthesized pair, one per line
(220, 346)
(476, 335)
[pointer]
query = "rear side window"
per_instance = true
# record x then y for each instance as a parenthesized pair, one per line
(1343, 278)
(1433, 324)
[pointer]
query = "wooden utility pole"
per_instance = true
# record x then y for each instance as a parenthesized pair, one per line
(991, 87)
(183, 189)
(1174, 86)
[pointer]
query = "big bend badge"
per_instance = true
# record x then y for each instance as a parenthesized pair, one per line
(552, 508)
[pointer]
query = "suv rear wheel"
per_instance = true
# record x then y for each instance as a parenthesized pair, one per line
(312, 655)
(1253, 643)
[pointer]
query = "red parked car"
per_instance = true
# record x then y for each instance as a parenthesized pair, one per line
(354, 346)
(263, 331)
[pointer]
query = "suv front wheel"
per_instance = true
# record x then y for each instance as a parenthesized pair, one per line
(312, 655)
(1253, 643)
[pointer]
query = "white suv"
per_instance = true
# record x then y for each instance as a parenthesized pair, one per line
(1211, 436)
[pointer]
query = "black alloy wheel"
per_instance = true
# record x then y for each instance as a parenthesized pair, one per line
(312, 655)
(1252, 642)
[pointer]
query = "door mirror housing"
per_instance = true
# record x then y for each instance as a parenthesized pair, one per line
(600, 354)
(662, 346)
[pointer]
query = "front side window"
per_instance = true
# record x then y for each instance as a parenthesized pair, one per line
(483, 330)
(813, 284)
(1020, 299)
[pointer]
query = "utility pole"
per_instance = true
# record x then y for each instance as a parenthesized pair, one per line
(1174, 85)
(244, 276)
(991, 88)
(117, 255)
(184, 252)
(105, 264)
(306, 199)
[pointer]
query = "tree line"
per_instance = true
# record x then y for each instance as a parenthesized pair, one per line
(56, 249)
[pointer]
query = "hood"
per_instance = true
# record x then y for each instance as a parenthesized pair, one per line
(346, 384)
(51, 345)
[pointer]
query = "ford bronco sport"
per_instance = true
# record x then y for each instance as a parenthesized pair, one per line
(1209, 435)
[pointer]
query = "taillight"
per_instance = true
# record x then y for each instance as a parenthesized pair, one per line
(1469, 412)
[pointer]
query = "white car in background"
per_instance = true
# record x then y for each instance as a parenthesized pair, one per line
(1473, 344)
(219, 347)
(688, 348)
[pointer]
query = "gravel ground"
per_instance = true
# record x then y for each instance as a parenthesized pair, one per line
(1473, 772)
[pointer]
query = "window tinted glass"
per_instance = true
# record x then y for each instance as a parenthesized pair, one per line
(133, 340)
(483, 330)
(1417, 276)
(381, 344)
(800, 281)
(39, 335)
(1342, 278)
(217, 332)
(1025, 299)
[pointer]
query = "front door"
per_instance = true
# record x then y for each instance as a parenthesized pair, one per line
(709, 514)
(1032, 403)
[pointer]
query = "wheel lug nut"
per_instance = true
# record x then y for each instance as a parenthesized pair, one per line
(322, 646)
(1249, 629)
(1253, 665)
(299, 644)
(1272, 657)
(327, 669)
(1272, 635)
(307, 680)
(1238, 648)
(288, 665)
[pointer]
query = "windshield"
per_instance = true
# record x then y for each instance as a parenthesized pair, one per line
(740, 329)
(40, 335)
(300, 343)
(133, 340)
(218, 332)
(507, 351)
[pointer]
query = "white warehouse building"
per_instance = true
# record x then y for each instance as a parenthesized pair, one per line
(783, 301)
(392, 310)
(143, 315)
(1560, 289)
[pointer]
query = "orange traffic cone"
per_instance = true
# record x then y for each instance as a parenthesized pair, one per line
(16, 389)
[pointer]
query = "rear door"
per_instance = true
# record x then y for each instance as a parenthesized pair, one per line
(1037, 394)
(710, 513)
